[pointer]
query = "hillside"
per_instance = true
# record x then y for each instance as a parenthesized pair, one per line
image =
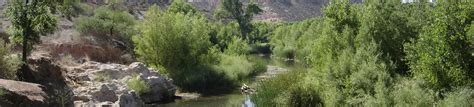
(284, 10)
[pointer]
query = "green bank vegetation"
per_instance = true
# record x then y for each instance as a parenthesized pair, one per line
(200, 55)
(377, 53)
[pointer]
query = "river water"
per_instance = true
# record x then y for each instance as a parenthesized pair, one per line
(235, 99)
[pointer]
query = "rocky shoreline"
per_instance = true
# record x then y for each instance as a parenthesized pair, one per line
(88, 84)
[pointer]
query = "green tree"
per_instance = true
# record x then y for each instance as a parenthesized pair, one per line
(29, 19)
(107, 24)
(180, 44)
(234, 9)
(381, 23)
(180, 6)
(172, 40)
(441, 55)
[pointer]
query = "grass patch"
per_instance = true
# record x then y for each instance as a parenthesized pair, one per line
(138, 85)
(285, 89)
(101, 77)
(2, 92)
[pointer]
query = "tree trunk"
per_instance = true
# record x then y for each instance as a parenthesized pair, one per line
(24, 74)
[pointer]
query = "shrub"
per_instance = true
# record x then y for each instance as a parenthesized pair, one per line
(222, 35)
(107, 24)
(2, 92)
(172, 40)
(268, 91)
(235, 67)
(101, 77)
(180, 44)
(82, 8)
(413, 93)
(294, 40)
(259, 66)
(462, 97)
(180, 6)
(237, 47)
(138, 85)
(9, 63)
(441, 56)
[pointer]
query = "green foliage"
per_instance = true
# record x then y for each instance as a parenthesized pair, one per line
(260, 36)
(269, 90)
(441, 56)
(462, 97)
(413, 93)
(235, 67)
(29, 21)
(173, 40)
(383, 24)
(180, 6)
(2, 92)
(234, 9)
(259, 66)
(102, 77)
(222, 35)
(286, 90)
(237, 47)
(138, 85)
(181, 44)
(355, 51)
(107, 23)
(9, 62)
(67, 7)
(351, 77)
(294, 40)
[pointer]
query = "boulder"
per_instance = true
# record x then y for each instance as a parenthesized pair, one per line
(22, 94)
(105, 93)
(130, 100)
(106, 85)
(160, 90)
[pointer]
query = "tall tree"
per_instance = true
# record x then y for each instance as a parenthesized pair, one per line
(29, 19)
(441, 54)
(234, 9)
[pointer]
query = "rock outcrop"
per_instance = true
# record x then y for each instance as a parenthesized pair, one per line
(106, 84)
(22, 94)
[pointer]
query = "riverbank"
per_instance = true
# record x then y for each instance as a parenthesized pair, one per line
(233, 99)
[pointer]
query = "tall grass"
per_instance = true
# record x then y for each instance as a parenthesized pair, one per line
(286, 90)
(138, 85)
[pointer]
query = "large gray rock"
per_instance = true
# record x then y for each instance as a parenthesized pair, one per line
(106, 85)
(130, 100)
(160, 90)
(22, 94)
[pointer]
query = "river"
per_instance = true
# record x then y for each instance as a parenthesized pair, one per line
(235, 99)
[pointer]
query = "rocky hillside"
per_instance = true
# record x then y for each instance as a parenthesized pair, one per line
(285, 10)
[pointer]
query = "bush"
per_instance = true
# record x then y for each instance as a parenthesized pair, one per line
(180, 44)
(180, 6)
(9, 63)
(2, 92)
(235, 67)
(268, 91)
(463, 97)
(107, 24)
(222, 35)
(237, 47)
(294, 40)
(259, 66)
(138, 85)
(413, 93)
(441, 56)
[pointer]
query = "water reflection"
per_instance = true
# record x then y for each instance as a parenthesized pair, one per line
(248, 102)
(230, 100)
(236, 99)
